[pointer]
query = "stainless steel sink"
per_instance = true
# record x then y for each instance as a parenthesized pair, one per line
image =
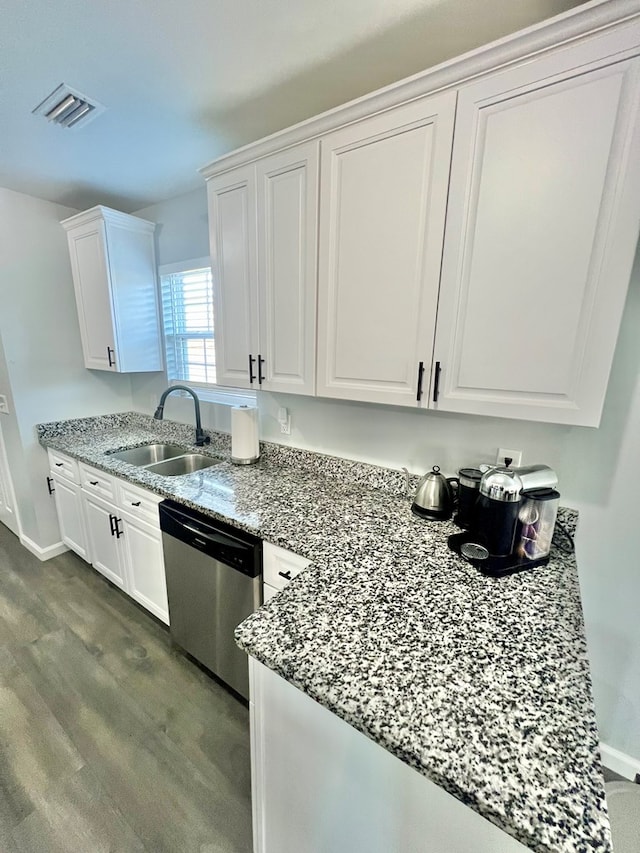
(149, 454)
(186, 464)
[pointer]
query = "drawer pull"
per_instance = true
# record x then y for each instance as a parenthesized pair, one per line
(285, 575)
(59, 464)
(136, 503)
(49, 486)
(112, 518)
(93, 482)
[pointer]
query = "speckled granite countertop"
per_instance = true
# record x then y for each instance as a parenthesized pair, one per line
(481, 685)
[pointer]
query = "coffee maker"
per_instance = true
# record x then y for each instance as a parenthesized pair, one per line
(512, 522)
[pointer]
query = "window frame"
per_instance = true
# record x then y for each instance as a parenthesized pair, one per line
(209, 392)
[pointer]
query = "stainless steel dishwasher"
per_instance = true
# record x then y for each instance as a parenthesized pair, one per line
(214, 581)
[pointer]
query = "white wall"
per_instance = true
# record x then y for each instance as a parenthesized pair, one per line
(41, 365)
(599, 471)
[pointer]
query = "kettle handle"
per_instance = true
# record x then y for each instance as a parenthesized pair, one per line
(451, 481)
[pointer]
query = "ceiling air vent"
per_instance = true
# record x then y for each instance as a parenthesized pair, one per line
(68, 108)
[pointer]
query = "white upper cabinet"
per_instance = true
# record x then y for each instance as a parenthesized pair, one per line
(287, 197)
(476, 227)
(114, 275)
(540, 238)
(382, 211)
(263, 226)
(232, 233)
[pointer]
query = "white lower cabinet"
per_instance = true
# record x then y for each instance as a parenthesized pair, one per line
(279, 567)
(114, 526)
(105, 550)
(268, 592)
(141, 547)
(319, 785)
(73, 528)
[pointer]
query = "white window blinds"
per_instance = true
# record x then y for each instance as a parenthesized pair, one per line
(187, 310)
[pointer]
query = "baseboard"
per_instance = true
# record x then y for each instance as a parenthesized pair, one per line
(43, 553)
(619, 762)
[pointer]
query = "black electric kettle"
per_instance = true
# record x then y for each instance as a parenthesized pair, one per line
(435, 497)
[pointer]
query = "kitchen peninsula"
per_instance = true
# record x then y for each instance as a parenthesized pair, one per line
(482, 686)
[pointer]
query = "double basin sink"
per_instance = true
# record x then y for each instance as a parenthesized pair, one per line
(168, 460)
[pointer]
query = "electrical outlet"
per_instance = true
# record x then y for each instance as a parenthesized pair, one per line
(284, 419)
(514, 455)
(4, 405)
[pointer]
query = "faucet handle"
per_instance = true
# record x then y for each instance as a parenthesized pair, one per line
(201, 438)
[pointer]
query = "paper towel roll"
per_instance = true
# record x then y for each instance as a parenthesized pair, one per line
(245, 447)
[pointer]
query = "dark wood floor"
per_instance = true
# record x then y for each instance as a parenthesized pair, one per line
(109, 739)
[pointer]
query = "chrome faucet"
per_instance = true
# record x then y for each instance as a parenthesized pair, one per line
(201, 438)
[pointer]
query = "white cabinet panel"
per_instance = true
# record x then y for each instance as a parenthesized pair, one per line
(104, 545)
(64, 466)
(280, 566)
(319, 785)
(268, 592)
(383, 200)
(541, 234)
(287, 204)
(232, 222)
(73, 530)
(146, 581)
(89, 264)
(114, 276)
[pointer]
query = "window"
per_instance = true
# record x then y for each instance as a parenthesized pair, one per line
(187, 310)
(189, 330)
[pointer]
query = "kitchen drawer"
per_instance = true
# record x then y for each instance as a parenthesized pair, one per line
(97, 482)
(138, 502)
(64, 466)
(280, 566)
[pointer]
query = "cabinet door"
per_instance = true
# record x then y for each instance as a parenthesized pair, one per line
(87, 249)
(142, 546)
(232, 231)
(287, 198)
(134, 292)
(70, 516)
(383, 194)
(541, 233)
(104, 546)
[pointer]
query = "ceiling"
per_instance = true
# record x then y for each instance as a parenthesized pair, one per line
(185, 82)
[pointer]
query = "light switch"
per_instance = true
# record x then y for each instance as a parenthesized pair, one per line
(4, 406)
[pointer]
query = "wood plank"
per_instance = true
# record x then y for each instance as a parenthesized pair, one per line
(163, 796)
(35, 752)
(111, 720)
(77, 816)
